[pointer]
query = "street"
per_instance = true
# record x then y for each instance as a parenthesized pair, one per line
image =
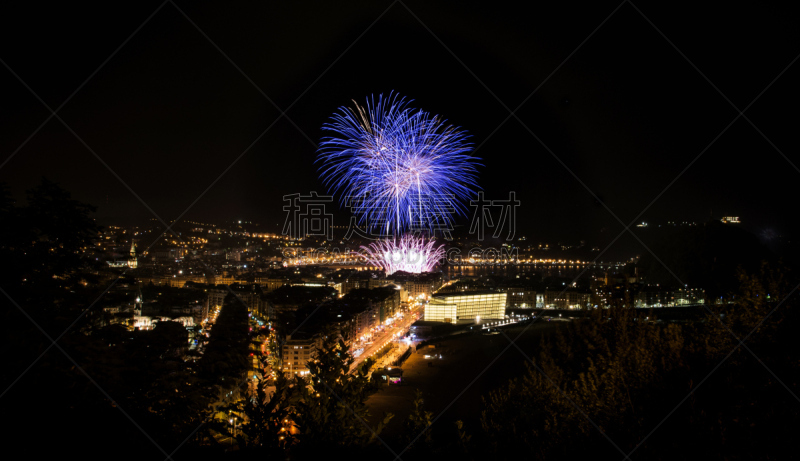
(389, 333)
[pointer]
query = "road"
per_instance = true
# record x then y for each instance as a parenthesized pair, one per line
(396, 330)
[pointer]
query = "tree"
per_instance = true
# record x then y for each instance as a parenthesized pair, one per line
(617, 375)
(418, 424)
(225, 360)
(608, 367)
(331, 413)
(44, 248)
(8, 220)
(462, 439)
(172, 338)
(367, 364)
(48, 240)
(267, 419)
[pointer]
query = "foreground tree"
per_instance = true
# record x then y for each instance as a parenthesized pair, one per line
(267, 419)
(418, 424)
(331, 414)
(46, 243)
(617, 376)
(225, 362)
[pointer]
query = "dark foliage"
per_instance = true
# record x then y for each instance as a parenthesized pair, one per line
(331, 414)
(613, 378)
(225, 360)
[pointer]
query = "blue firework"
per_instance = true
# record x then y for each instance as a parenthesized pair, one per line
(400, 168)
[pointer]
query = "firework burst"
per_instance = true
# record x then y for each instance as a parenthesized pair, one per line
(399, 167)
(408, 254)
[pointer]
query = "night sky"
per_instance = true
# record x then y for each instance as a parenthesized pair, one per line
(626, 113)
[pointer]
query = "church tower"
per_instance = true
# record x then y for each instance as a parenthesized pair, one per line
(137, 306)
(132, 261)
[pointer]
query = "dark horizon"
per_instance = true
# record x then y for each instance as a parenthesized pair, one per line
(623, 116)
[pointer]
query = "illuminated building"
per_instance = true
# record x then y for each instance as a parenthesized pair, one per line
(521, 297)
(353, 284)
(269, 284)
(391, 375)
(466, 307)
(385, 301)
(657, 297)
(419, 285)
(367, 320)
(140, 321)
(566, 299)
(296, 354)
(224, 280)
(730, 220)
(248, 294)
(132, 259)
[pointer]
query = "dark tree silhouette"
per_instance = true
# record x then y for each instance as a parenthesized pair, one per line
(331, 414)
(619, 375)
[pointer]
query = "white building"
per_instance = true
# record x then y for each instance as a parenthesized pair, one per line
(466, 307)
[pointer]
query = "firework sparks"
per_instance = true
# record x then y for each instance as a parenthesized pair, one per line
(408, 254)
(405, 167)
(400, 169)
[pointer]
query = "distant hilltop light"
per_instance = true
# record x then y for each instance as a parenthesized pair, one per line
(642, 224)
(730, 220)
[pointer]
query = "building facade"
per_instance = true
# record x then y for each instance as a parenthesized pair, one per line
(655, 297)
(521, 297)
(251, 295)
(296, 354)
(466, 307)
(569, 299)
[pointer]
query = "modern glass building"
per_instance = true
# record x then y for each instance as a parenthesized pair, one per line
(466, 307)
